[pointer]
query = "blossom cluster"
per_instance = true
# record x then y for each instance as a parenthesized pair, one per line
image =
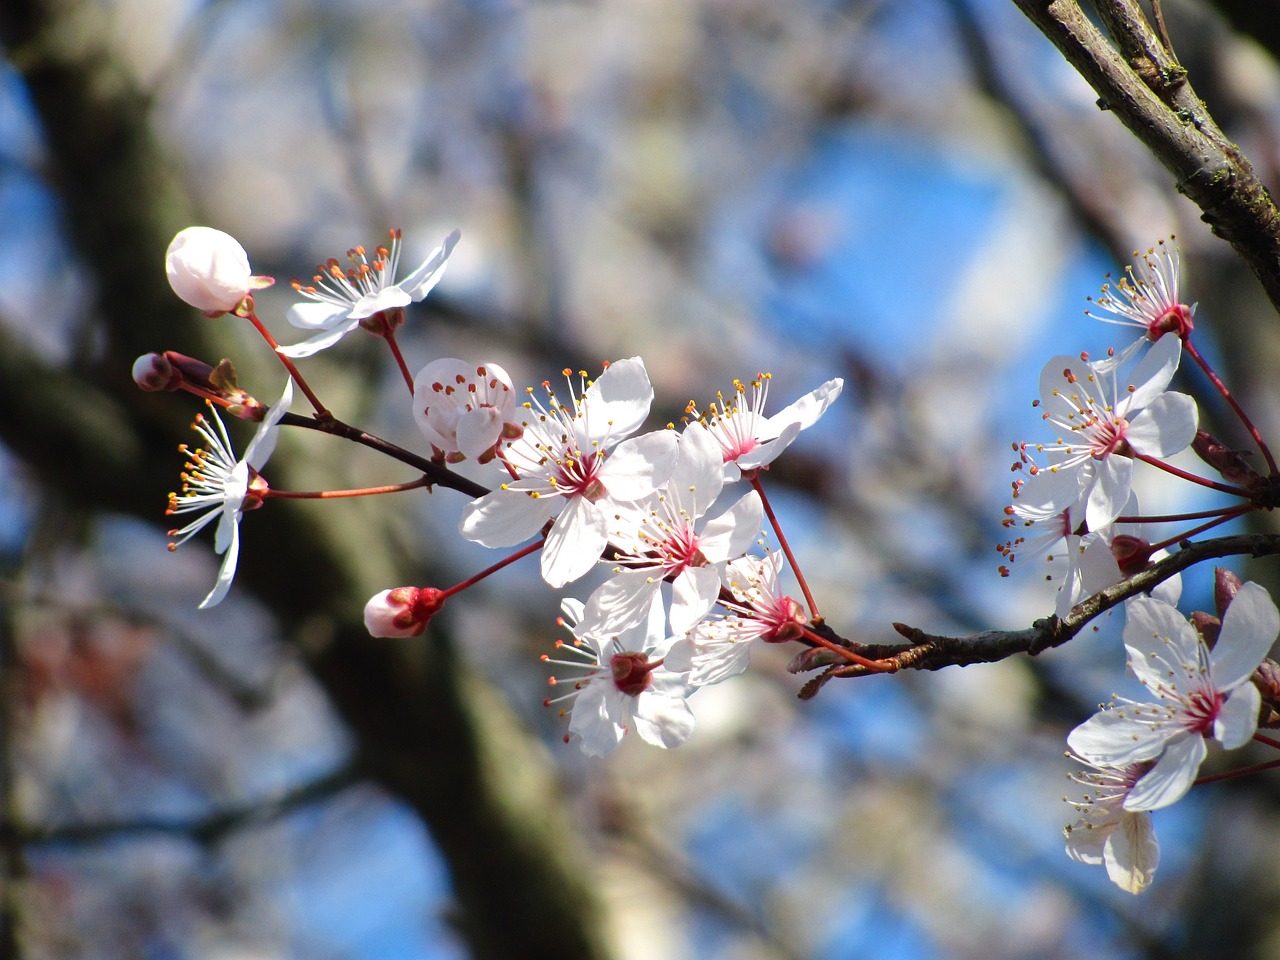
(686, 585)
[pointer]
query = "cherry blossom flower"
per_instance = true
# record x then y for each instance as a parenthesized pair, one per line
(571, 466)
(720, 647)
(1202, 693)
(1105, 832)
(622, 681)
(464, 408)
(659, 539)
(219, 485)
(345, 298)
(1106, 422)
(210, 270)
(1050, 530)
(1147, 297)
(748, 439)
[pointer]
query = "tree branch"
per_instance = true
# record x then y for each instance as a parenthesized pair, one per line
(1147, 90)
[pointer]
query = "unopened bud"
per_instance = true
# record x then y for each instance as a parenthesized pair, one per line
(210, 270)
(402, 611)
(1225, 587)
(1231, 464)
(154, 372)
(1208, 626)
(1267, 679)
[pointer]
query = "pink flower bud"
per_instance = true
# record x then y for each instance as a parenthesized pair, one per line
(154, 371)
(402, 611)
(208, 269)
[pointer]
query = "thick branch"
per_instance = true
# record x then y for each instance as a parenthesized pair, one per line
(1149, 95)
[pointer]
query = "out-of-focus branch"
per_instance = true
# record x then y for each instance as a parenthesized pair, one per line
(1148, 91)
(928, 651)
(425, 728)
(207, 829)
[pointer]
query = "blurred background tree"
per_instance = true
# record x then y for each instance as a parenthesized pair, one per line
(916, 196)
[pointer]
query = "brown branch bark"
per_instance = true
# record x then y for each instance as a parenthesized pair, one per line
(1147, 90)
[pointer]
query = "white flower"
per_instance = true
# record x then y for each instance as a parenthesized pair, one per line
(221, 486)
(1202, 694)
(748, 439)
(1147, 297)
(720, 647)
(1105, 423)
(623, 681)
(571, 466)
(210, 270)
(1107, 833)
(463, 408)
(659, 539)
(343, 299)
(1051, 530)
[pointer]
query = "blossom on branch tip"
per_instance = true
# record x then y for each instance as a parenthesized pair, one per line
(622, 680)
(345, 298)
(1108, 833)
(464, 409)
(748, 439)
(1201, 693)
(218, 485)
(572, 463)
(209, 270)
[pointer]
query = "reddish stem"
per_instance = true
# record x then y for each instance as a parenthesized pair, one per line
(390, 337)
(754, 478)
(1232, 774)
(489, 571)
(1188, 534)
(1231, 401)
(1263, 738)
(289, 365)
(1191, 477)
(875, 666)
(361, 492)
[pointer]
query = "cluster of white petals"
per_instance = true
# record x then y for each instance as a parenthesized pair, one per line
(1201, 694)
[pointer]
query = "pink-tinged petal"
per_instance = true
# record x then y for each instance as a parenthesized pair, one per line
(227, 572)
(1156, 637)
(770, 450)
(1111, 486)
(1167, 426)
(504, 518)
(1249, 629)
(1109, 740)
(1151, 376)
(618, 401)
(731, 534)
(317, 316)
(638, 466)
(663, 721)
(385, 299)
(1169, 780)
(1237, 719)
(479, 430)
(593, 721)
(709, 660)
(421, 281)
(698, 476)
(575, 542)
(622, 601)
(1132, 853)
(805, 412)
(693, 593)
(320, 341)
